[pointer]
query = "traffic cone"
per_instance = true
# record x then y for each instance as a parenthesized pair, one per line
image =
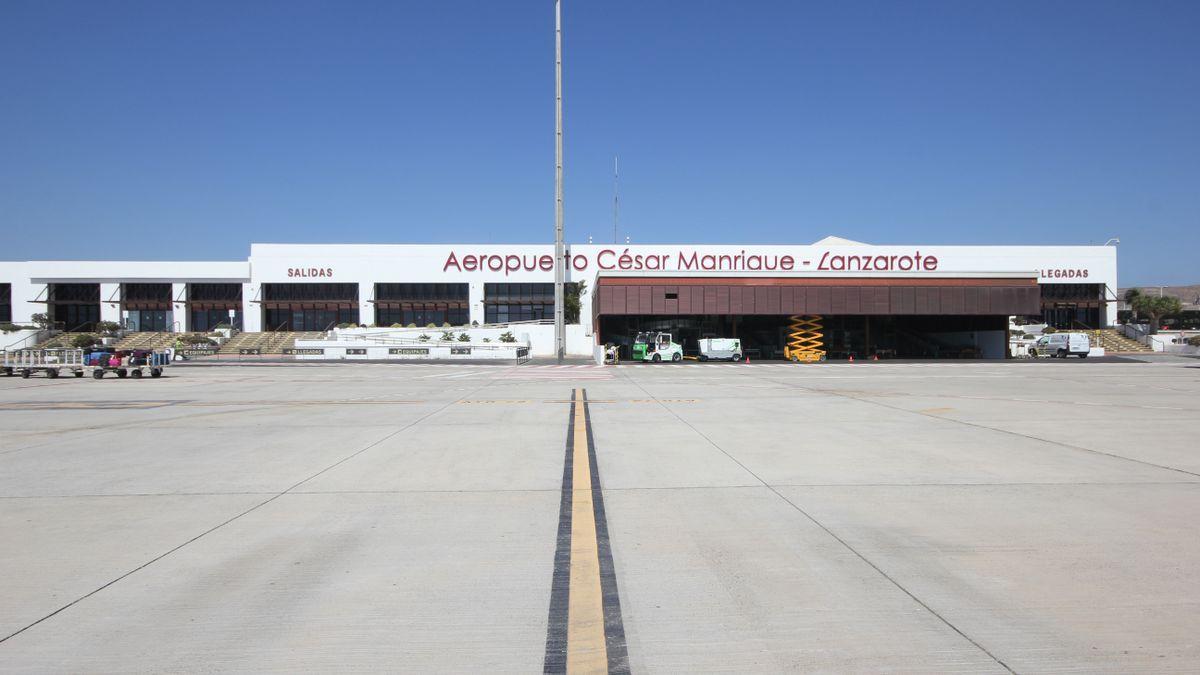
(851, 358)
(874, 357)
(747, 358)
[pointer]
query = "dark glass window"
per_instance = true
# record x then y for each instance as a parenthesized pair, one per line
(309, 319)
(422, 304)
(67, 293)
(505, 303)
(6, 302)
(422, 292)
(155, 320)
(310, 292)
(422, 315)
(157, 293)
(210, 319)
(78, 317)
(214, 293)
(1061, 292)
(291, 306)
(74, 307)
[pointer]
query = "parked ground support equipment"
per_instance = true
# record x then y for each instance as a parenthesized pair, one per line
(656, 347)
(805, 339)
(612, 354)
(729, 349)
(1061, 345)
(52, 362)
(124, 363)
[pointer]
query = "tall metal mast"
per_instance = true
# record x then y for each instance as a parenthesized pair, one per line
(560, 261)
(616, 198)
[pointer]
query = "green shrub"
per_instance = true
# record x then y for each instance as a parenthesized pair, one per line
(84, 340)
(107, 327)
(397, 325)
(423, 337)
(412, 325)
(431, 325)
(10, 327)
(487, 339)
(1049, 330)
(507, 336)
(463, 337)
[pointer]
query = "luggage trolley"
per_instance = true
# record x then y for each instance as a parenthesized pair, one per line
(52, 362)
(128, 363)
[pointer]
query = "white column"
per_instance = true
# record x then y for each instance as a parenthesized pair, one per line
(111, 311)
(251, 311)
(24, 296)
(179, 307)
(475, 300)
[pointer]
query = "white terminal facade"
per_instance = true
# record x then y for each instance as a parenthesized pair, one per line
(700, 289)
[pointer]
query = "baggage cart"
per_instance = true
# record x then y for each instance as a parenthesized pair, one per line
(128, 363)
(51, 362)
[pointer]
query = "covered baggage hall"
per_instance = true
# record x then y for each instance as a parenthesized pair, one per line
(964, 316)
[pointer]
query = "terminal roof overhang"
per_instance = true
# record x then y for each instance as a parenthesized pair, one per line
(962, 294)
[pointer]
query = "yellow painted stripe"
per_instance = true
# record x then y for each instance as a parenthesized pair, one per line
(586, 649)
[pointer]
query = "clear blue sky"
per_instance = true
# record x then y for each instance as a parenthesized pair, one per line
(187, 130)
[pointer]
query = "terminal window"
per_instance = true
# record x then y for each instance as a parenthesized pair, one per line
(5, 303)
(1067, 306)
(309, 307)
(211, 319)
(422, 292)
(310, 292)
(211, 305)
(421, 304)
(504, 303)
(226, 293)
(74, 307)
(309, 319)
(159, 294)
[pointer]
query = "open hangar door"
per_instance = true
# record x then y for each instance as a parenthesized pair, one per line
(892, 318)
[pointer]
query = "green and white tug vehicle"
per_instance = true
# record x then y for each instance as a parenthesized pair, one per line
(656, 347)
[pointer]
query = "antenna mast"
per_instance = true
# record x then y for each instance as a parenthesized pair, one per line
(616, 198)
(560, 261)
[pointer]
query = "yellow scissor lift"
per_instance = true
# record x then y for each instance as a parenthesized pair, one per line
(805, 339)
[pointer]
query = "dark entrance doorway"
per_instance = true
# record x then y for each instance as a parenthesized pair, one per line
(764, 337)
(74, 307)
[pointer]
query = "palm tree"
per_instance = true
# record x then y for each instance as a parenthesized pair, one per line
(1131, 300)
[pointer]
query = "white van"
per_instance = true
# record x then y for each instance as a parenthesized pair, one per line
(721, 348)
(1061, 345)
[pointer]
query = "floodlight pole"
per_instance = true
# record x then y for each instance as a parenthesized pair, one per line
(560, 259)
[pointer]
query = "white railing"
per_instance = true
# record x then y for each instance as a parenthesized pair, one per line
(27, 341)
(1135, 332)
(518, 324)
(389, 341)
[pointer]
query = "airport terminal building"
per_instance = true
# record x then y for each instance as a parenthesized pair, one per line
(898, 299)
